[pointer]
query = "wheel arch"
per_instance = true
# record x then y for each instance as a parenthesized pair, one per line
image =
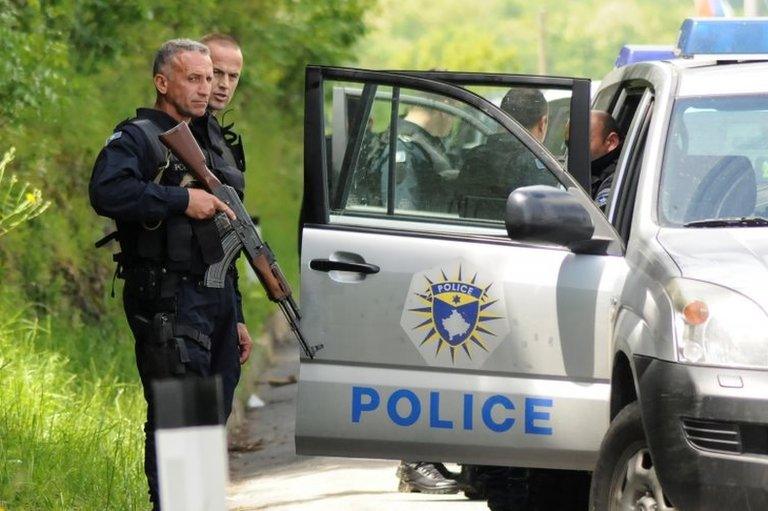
(623, 389)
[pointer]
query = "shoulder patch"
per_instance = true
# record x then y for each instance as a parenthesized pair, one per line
(602, 197)
(116, 135)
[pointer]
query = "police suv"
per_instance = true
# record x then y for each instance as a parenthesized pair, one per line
(532, 329)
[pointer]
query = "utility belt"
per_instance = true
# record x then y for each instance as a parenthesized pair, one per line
(156, 285)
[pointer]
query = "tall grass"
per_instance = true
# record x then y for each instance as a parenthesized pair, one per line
(68, 440)
(69, 424)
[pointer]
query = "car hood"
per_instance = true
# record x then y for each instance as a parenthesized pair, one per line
(736, 258)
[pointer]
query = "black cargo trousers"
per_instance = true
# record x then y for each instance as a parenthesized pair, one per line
(182, 329)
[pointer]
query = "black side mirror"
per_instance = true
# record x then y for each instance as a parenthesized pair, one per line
(549, 215)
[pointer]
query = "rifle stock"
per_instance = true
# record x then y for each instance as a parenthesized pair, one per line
(183, 145)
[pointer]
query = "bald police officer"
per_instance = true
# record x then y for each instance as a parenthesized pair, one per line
(168, 239)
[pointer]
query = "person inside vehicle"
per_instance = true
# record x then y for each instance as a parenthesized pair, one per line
(605, 144)
(492, 170)
(420, 158)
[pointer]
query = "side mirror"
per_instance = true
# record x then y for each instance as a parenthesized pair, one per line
(549, 215)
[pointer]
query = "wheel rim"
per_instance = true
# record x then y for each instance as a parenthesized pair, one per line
(635, 485)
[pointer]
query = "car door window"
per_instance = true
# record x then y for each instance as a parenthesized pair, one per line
(622, 201)
(406, 153)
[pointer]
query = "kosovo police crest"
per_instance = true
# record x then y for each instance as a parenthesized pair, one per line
(454, 315)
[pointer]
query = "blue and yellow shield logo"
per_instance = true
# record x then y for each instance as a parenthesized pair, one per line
(455, 306)
(452, 310)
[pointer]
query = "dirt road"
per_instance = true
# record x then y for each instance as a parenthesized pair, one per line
(274, 478)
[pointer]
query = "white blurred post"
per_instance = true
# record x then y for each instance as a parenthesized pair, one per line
(750, 8)
(191, 444)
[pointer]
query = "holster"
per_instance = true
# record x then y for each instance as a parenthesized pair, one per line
(165, 349)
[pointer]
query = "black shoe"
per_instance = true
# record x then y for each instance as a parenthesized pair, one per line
(425, 478)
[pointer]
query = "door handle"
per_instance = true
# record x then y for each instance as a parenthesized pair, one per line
(328, 265)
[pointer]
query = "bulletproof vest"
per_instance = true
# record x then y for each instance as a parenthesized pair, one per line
(178, 242)
(226, 154)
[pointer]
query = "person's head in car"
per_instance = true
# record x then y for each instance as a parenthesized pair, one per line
(528, 107)
(435, 121)
(604, 137)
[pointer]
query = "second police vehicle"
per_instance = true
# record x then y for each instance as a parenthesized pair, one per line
(533, 330)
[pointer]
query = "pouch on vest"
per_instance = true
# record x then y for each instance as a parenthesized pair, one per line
(178, 231)
(150, 244)
(209, 241)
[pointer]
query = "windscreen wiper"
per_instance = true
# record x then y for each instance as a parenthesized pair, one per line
(730, 222)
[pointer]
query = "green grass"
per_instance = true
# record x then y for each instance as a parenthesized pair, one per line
(71, 437)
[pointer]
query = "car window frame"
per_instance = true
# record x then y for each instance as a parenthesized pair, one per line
(621, 202)
(315, 207)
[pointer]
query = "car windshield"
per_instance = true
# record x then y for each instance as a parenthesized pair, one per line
(715, 171)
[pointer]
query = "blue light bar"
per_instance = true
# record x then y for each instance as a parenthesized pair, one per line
(632, 53)
(723, 36)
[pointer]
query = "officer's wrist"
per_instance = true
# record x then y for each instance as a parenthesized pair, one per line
(178, 198)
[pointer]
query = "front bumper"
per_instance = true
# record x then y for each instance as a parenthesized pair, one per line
(708, 434)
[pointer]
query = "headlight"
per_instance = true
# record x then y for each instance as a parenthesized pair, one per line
(716, 326)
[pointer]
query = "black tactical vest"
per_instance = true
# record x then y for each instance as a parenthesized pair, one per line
(179, 243)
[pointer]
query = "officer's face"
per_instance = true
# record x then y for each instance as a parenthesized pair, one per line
(227, 65)
(599, 144)
(186, 86)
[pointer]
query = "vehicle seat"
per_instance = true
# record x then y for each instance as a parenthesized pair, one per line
(728, 190)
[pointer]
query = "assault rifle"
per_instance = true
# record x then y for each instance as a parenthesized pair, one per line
(236, 235)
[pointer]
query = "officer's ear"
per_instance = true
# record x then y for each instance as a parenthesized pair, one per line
(161, 83)
(613, 141)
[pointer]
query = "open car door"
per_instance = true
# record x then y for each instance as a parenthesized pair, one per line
(444, 338)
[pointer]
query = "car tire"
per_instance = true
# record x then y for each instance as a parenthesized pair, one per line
(625, 477)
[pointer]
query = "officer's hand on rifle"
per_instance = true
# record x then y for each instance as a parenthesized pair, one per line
(204, 205)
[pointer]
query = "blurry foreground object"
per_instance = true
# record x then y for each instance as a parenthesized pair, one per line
(191, 444)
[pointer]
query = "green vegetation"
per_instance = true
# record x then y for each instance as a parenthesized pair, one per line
(72, 409)
(580, 38)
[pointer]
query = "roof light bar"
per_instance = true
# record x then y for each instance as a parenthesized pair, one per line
(734, 37)
(633, 53)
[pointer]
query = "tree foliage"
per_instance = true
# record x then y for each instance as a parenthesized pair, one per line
(72, 69)
(580, 38)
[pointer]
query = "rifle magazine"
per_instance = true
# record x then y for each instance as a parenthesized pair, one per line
(217, 273)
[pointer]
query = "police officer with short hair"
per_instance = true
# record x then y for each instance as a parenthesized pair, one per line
(223, 145)
(605, 144)
(168, 239)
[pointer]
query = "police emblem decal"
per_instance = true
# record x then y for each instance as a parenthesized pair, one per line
(453, 316)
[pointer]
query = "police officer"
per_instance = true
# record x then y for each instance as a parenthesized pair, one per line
(503, 163)
(605, 144)
(168, 239)
(223, 145)
(421, 157)
(227, 59)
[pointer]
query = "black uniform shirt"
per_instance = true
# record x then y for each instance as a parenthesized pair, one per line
(121, 184)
